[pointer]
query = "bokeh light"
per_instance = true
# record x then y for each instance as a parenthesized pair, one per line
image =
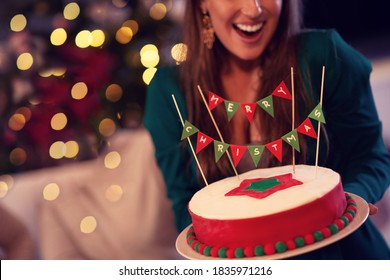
(112, 160)
(98, 38)
(58, 37)
(72, 149)
(6, 183)
(25, 111)
(16, 122)
(51, 192)
(88, 224)
(79, 90)
(114, 193)
(57, 150)
(114, 92)
(18, 23)
(107, 127)
(124, 35)
(71, 11)
(18, 156)
(148, 75)
(58, 121)
(179, 52)
(132, 24)
(83, 39)
(158, 11)
(119, 3)
(24, 61)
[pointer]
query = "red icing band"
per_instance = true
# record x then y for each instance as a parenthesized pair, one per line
(272, 228)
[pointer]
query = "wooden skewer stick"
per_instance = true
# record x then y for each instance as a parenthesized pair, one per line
(293, 114)
(218, 131)
(189, 142)
(319, 123)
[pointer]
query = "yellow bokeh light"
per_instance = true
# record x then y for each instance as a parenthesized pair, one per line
(179, 52)
(150, 59)
(83, 39)
(124, 35)
(57, 150)
(114, 92)
(6, 183)
(147, 48)
(132, 24)
(17, 121)
(58, 37)
(72, 149)
(24, 61)
(51, 192)
(58, 72)
(107, 127)
(112, 160)
(158, 11)
(71, 11)
(18, 156)
(18, 23)
(98, 38)
(58, 121)
(79, 90)
(148, 75)
(88, 224)
(114, 193)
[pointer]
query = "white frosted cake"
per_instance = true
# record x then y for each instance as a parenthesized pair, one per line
(266, 211)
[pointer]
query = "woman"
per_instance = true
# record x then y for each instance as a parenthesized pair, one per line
(242, 50)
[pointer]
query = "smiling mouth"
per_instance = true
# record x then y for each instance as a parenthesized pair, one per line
(247, 29)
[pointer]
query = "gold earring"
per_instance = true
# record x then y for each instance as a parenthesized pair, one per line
(207, 31)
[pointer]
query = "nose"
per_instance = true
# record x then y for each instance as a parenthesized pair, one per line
(251, 8)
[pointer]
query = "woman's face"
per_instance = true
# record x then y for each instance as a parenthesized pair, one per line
(244, 27)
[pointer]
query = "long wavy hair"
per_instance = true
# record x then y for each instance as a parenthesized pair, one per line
(203, 67)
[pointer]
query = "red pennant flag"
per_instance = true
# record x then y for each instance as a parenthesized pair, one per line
(249, 110)
(282, 91)
(307, 128)
(202, 141)
(237, 153)
(214, 100)
(276, 148)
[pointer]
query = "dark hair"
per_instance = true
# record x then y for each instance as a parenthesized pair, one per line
(202, 67)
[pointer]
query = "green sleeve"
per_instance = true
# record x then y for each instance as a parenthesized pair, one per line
(357, 150)
(162, 120)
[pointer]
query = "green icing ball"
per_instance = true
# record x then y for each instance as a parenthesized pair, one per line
(333, 229)
(300, 242)
(197, 247)
(351, 212)
(318, 236)
(222, 253)
(190, 234)
(239, 253)
(206, 251)
(346, 221)
(280, 247)
(259, 251)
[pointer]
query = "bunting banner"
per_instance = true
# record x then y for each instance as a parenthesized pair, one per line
(255, 151)
(250, 108)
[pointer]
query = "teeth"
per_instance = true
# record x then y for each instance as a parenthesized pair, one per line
(249, 28)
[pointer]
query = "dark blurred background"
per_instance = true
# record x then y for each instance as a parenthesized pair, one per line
(67, 96)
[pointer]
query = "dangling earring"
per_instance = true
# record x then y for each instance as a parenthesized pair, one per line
(207, 31)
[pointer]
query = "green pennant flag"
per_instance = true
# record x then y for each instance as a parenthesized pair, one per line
(219, 149)
(317, 114)
(256, 152)
(231, 108)
(292, 139)
(188, 130)
(267, 104)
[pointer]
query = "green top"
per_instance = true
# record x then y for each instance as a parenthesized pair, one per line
(358, 153)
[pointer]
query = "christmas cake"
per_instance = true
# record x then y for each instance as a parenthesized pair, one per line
(268, 211)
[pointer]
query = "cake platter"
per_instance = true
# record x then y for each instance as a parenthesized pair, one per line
(361, 215)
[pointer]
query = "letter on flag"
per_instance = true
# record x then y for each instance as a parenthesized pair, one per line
(256, 152)
(267, 105)
(219, 149)
(188, 130)
(237, 153)
(292, 139)
(317, 114)
(282, 91)
(202, 141)
(276, 148)
(231, 108)
(307, 128)
(214, 100)
(249, 110)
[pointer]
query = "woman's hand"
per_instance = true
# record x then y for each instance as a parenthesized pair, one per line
(373, 209)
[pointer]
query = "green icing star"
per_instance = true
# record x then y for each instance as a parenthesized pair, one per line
(263, 185)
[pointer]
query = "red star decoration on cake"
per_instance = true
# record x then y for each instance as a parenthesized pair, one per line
(262, 187)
